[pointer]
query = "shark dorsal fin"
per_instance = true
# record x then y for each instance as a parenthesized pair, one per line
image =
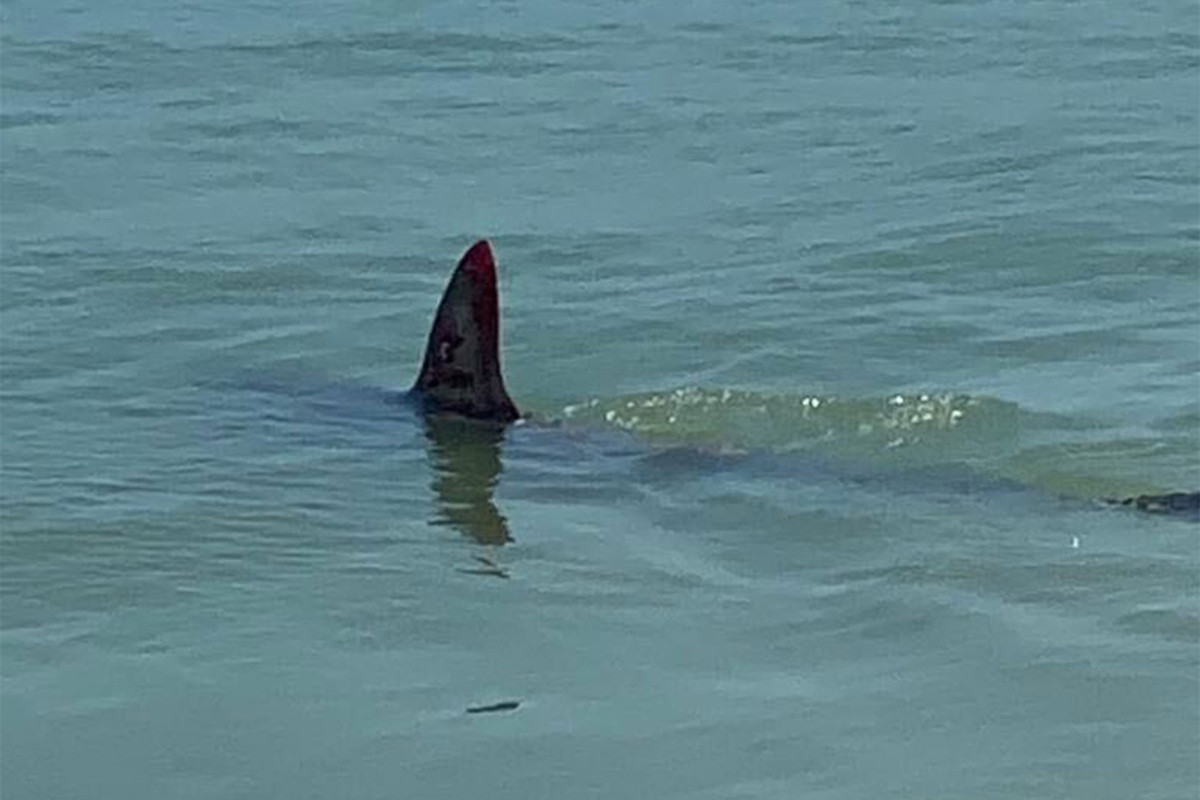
(461, 371)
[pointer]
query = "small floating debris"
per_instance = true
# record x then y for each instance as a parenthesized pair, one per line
(504, 705)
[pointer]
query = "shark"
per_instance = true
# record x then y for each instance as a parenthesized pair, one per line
(461, 374)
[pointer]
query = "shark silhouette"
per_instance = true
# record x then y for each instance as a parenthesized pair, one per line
(461, 374)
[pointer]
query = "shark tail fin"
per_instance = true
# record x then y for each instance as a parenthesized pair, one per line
(461, 371)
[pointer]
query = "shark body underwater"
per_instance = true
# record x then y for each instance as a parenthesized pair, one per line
(461, 376)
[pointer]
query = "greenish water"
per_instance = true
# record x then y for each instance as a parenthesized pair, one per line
(833, 323)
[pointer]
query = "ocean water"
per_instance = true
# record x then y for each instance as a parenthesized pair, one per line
(833, 322)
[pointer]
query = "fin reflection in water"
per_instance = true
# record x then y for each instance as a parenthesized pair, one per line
(465, 455)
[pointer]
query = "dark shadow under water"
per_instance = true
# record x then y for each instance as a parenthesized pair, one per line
(466, 458)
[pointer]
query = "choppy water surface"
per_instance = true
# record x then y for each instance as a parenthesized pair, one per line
(833, 320)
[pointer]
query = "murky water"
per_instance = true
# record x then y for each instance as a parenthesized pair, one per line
(833, 321)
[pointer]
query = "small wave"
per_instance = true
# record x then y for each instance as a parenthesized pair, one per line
(1059, 454)
(745, 419)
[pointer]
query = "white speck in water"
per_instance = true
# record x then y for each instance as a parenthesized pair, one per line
(1075, 542)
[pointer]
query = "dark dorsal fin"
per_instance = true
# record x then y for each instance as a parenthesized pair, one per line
(461, 371)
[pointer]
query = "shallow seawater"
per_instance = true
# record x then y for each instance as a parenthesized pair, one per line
(834, 324)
